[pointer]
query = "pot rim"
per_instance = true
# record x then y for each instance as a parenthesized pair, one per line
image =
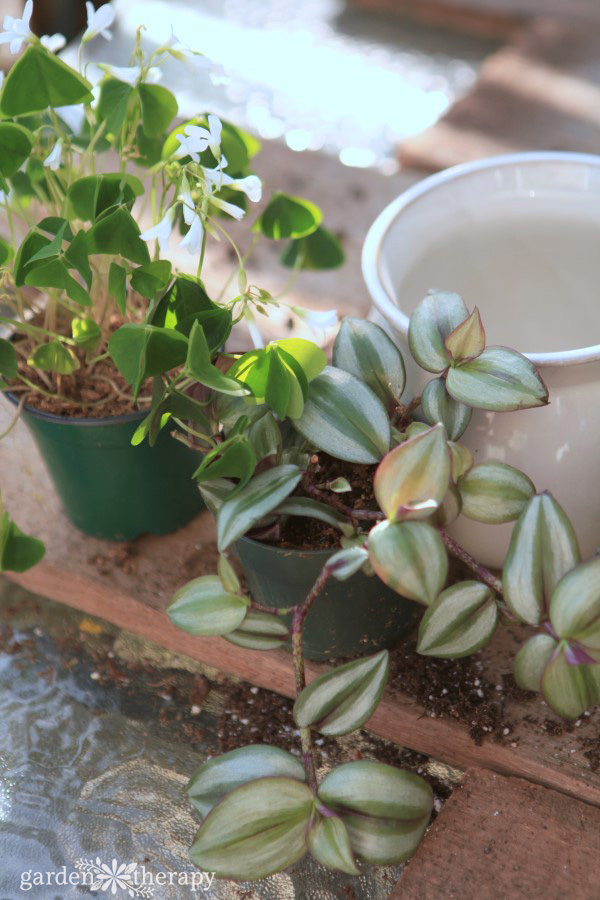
(288, 551)
(103, 421)
(371, 253)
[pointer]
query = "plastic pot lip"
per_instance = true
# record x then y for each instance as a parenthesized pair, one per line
(288, 551)
(103, 422)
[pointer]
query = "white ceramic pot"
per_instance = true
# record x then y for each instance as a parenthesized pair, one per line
(519, 237)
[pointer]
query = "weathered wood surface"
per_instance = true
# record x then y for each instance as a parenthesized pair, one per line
(541, 92)
(130, 586)
(506, 838)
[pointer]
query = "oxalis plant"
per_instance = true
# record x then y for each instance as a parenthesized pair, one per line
(270, 411)
(95, 176)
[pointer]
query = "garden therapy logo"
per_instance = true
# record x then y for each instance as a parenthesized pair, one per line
(117, 878)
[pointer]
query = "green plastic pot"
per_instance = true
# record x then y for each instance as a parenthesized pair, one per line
(358, 616)
(108, 488)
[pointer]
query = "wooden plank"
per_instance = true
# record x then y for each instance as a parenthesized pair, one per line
(502, 837)
(542, 92)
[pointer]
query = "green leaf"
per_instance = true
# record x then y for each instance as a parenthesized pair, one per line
(204, 607)
(260, 631)
(219, 776)
(214, 493)
(260, 496)
(385, 810)
(76, 256)
(198, 363)
(439, 406)
(531, 661)
(18, 551)
(329, 843)
(570, 690)
(461, 461)
(86, 333)
(467, 341)
(187, 302)
(343, 699)
(257, 830)
(54, 273)
(112, 104)
(494, 492)
(234, 458)
(8, 359)
(152, 278)
(575, 606)
(6, 252)
(117, 286)
(460, 622)
(159, 108)
(499, 380)
(314, 509)
(40, 79)
(364, 349)
(117, 234)
(54, 357)
(311, 359)
(274, 377)
(265, 437)
(15, 146)
(345, 563)
(345, 418)
(139, 351)
(450, 509)
(226, 572)
(319, 250)
(93, 195)
(412, 481)
(410, 558)
(543, 547)
(430, 324)
(288, 217)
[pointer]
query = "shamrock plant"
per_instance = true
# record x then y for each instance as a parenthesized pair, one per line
(269, 421)
(95, 176)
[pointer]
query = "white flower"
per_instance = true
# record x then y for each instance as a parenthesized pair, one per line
(193, 239)
(16, 31)
(54, 157)
(251, 185)
(188, 205)
(317, 319)
(236, 211)
(73, 116)
(161, 232)
(196, 139)
(53, 42)
(98, 22)
(128, 74)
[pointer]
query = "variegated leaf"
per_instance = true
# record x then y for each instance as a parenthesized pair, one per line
(543, 547)
(410, 558)
(499, 380)
(570, 690)
(260, 496)
(439, 406)
(259, 631)
(459, 622)
(345, 563)
(436, 316)
(204, 607)
(461, 460)
(575, 606)
(412, 480)
(467, 341)
(329, 843)
(364, 349)
(493, 492)
(531, 660)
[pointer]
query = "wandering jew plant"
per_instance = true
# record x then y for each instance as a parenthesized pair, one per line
(95, 179)
(269, 413)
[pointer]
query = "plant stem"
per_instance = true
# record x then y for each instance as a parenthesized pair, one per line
(298, 619)
(372, 515)
(482, 573)
(406, 413)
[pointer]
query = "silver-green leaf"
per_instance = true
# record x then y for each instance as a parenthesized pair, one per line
(410, 558)
(329, 843)
(260, 496)
(459, 622)
(570, 690)
(259, 631)
(494, 492)
(498, 380)
(575, 606)
(364, 349)
(204, 607)
(412, 479)
(439, 406)
(531, 660)
(436, 316)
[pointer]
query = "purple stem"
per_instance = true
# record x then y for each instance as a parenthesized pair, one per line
(482, 573)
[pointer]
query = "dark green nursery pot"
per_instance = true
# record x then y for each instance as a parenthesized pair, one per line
(358, 616)
(108, 488)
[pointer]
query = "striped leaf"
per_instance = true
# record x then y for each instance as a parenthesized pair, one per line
(543, 547)
(385, 810)
(341, 700)
(204, 607)
(412, 480)
(364, 349)
(439, 406)
(262, 494)
(531, 660)
(494, 492)
(467, 341)
(257, 830)
(345, 563)
(459, 622)
(430, 324)
(461, 460)
(570, 690)
(410, 558)
(329, 843)
(259, 631)
(498, 380)
(575, 606)
(343, 417)
(217, 777)
(313, 509)
(450, 509)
